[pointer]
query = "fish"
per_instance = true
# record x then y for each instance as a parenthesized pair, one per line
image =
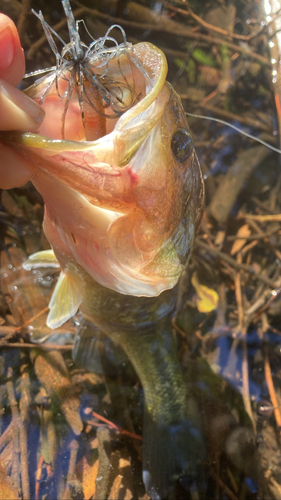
(123, 199)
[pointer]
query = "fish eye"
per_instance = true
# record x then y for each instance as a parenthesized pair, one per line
(181, 144)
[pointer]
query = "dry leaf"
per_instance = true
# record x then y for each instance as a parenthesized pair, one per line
(7, 491)
(115, 489)
(122, 485)
(87, 471)
(207, 299)
(52, 372)
(6, 457)
(243, 232)
(48, 436)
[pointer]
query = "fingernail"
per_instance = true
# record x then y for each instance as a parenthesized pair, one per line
(7, 45)
(23, 102)
(18, 112)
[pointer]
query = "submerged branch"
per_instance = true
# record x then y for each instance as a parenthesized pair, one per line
(249, 269)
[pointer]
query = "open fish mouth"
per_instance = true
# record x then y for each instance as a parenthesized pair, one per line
(119, 93)
(92, 86)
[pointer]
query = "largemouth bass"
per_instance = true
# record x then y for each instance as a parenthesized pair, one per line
(123, 195)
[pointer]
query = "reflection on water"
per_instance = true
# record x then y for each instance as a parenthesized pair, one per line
(72, 431)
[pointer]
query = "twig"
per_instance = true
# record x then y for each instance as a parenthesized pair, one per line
(271, 390)
(103, 435)
(232, 116)
(245, 367)
(261, 218)
(3, 391)
(189, 12)
(9, 331)
(258, 303)
(177, 328)
(43, 347)
(238, 295)
(114, 426)
(223, 486)
(72, 461)
(24, 405)
(74, 447)
(26, 323)
(15, 416)
(259, 236)
(235, 264)
(276, 485)
(263, 206)
(179, 30)
(256, 228)
(38, 477)
(25, 8)
(7, 435)
(167, 50)
(103, 419)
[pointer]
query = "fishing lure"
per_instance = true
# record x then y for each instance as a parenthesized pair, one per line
(84, 70)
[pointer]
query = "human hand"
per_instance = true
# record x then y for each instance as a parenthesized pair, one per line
(17, 111)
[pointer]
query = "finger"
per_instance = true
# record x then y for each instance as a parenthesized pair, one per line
(14, 170)
(17, 111)
(12, 61)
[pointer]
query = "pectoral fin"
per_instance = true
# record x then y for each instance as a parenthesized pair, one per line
(46, 258)
(65, 300)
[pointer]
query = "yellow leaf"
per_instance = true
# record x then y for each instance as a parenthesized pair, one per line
(243, 232)
(207, 299)
(87, 471)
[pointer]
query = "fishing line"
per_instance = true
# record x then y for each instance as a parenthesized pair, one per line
(218, 120)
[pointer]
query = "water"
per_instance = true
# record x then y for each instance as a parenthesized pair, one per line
(230, 356)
